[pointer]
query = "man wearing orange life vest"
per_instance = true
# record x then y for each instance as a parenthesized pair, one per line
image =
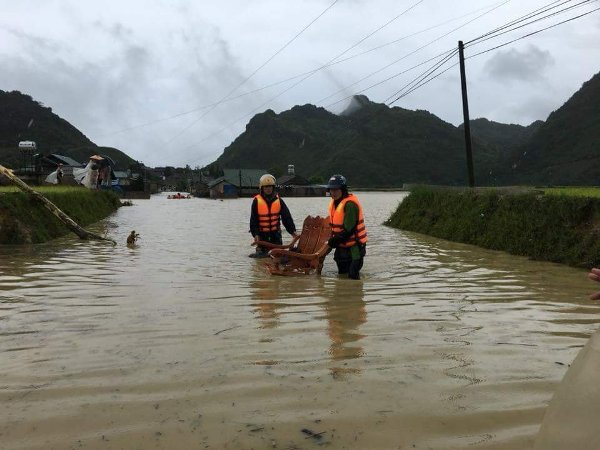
(267, 212)
(348, 232)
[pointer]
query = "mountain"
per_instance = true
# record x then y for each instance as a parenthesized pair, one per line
(503, 136)
(371, 144)
(565, 150)
(24, 119)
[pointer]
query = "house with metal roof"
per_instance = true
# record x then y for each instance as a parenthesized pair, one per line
(236, 183)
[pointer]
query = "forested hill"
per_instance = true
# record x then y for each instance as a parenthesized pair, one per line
(24, 119)
(565, 150)
(371, 144)
(374, 145)
(503, 136)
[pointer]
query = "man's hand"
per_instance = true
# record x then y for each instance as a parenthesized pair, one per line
(334, 241)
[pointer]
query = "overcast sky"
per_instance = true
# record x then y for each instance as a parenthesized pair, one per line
(113, 65)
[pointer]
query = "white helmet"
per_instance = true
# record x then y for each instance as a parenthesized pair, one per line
(266, 180)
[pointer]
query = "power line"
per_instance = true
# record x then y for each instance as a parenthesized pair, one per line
(432, 77)
(519, 19)
(423, 83)
(424, 75)
(414, 5)
(395, 41)
(381, 82)
(335, 58)
(391, 77)
(411, 53)
(277, 83)
(555, 13)
(535, 32)
(253, 73)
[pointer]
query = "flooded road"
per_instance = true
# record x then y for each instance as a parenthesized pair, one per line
(183, 342)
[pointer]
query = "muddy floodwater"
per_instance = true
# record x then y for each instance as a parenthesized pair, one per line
(184, 342)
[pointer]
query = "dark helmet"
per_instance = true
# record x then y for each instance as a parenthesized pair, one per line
(337, 182)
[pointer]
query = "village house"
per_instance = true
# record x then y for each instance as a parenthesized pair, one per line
(293, 185)
(236, 183)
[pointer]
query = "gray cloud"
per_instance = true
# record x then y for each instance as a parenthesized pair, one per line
(113, 66)
(136, 81)
(514, 65)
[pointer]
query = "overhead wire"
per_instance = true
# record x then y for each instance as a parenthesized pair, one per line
(433, 76)
(335, 58)
(345, 88)
(423, 83)
(391, 77)
(338, 61)
(253, 73)
(531, 14)
(414, 5)
(423, 75)
(416, 33)
(533, 33)
(519, 19)
(509, 30)
(434, 72)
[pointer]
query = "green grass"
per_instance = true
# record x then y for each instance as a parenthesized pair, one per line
(43, 189)
(574, 191)
(558, 228)
(24, 220)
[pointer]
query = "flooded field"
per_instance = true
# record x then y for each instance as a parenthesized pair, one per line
(184, 342)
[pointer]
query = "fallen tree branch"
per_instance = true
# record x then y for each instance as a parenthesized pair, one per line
(70, 223)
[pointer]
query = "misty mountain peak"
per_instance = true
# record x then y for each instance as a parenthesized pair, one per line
(357, 102)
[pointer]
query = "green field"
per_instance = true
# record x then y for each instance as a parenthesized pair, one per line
(574, 191)
(44, 189)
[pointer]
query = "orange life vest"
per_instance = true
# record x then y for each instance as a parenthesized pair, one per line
(336, 219)
(268, 216)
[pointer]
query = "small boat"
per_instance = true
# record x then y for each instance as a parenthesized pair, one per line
(178, 196)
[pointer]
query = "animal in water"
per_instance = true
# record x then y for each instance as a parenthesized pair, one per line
(133, 236)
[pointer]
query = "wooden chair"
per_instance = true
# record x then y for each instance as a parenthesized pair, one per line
(305, 254)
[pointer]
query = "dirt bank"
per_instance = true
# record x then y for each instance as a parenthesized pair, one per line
(558, 228)
(24, 221)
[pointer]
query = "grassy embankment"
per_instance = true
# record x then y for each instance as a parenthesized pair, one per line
(574, 191)
(24, 221)
(562, 225)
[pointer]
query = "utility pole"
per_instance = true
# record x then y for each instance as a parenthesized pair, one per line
(467, 124)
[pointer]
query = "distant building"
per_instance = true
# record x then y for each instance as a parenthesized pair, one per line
(236, 183)
(292, 180)
(221, 188)
(49, 163)
(292, 185)
(125, 178)
(245, 179)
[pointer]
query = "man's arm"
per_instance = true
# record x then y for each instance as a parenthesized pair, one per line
(254, 227)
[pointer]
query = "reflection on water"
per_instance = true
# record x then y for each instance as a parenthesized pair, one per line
(184, 342)
(345, 311)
